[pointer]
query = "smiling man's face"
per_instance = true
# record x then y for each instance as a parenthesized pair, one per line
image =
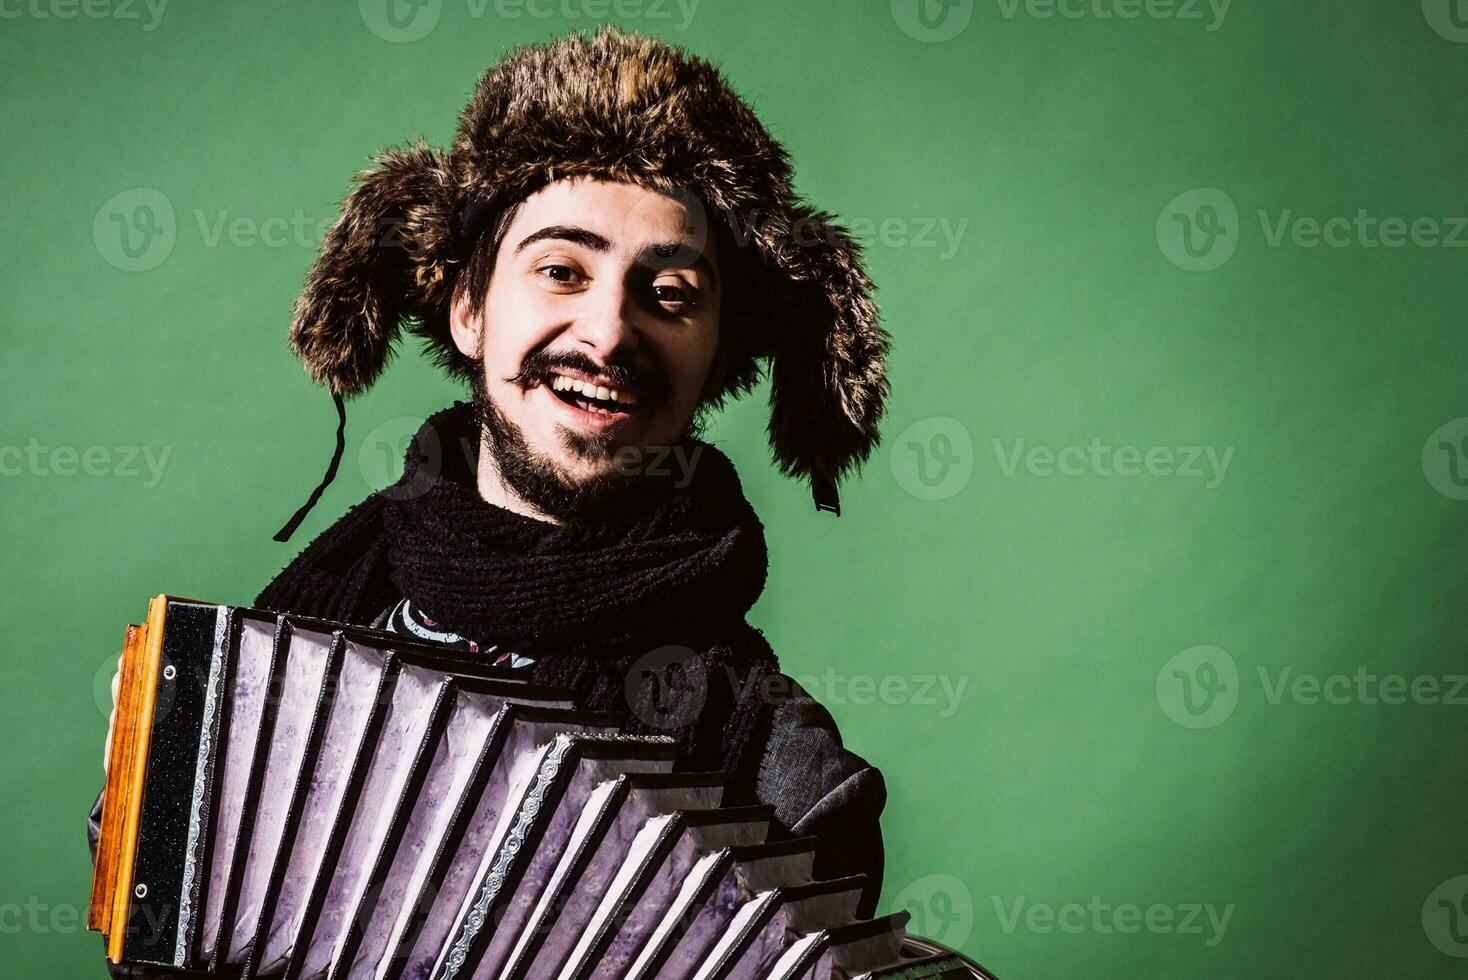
(597, 339)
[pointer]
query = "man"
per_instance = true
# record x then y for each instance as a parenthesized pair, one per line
(606, 253)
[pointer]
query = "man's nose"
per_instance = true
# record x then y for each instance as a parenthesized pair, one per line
(607, 323)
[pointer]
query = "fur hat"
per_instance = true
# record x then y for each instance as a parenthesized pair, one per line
(617, 106)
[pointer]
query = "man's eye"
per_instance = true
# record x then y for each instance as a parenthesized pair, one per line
(558, 273)
(672, 294)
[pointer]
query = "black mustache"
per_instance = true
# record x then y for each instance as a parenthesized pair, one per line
(539, 366)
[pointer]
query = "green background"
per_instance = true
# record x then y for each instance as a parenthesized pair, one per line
(1071, 769)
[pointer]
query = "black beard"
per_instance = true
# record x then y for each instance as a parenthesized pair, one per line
(541, 484)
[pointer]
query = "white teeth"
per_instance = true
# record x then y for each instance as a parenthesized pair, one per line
(562, 383)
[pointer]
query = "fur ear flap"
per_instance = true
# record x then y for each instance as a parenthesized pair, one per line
(828, 373)
(387, 258)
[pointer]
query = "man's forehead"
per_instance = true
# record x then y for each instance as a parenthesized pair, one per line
(654, 229)
(627, 215)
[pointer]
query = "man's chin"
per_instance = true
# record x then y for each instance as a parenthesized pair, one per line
(579, 493)
(579, 476)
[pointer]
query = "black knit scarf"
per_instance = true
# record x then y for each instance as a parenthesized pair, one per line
(589, 600)
(694, 560)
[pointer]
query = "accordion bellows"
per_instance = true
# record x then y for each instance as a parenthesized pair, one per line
(291, 797)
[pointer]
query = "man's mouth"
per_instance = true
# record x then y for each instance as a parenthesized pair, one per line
(590, 396)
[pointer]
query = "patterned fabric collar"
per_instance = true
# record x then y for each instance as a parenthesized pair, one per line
(405, 618)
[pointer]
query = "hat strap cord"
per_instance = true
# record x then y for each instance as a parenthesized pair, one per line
(285, 532)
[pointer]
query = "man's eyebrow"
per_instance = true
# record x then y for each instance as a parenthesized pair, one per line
(566, 233)
(654, 256)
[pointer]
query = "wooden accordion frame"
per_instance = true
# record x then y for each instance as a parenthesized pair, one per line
(292, 797)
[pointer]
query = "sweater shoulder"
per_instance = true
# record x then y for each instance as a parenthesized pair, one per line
(340, 574)
(804, 761)
(819, 786)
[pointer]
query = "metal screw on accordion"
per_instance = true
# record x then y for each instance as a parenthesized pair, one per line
(141, 891)
(170, 672)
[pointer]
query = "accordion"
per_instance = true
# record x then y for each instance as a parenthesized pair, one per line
(299, 798)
